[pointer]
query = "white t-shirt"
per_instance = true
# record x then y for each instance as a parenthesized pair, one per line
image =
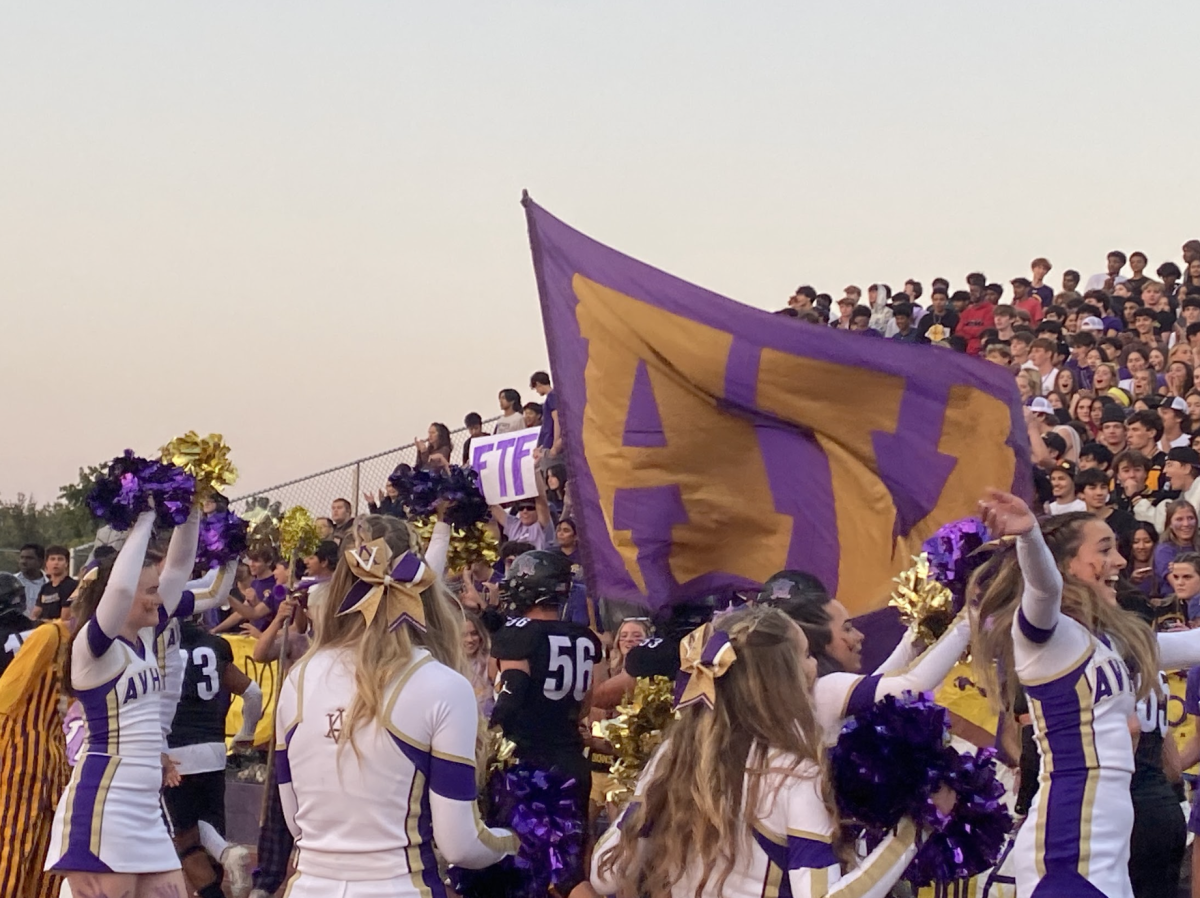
(1096, 281)
(1048, 381)
(1065, 507)
(509, 423)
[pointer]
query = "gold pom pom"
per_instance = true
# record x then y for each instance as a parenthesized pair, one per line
(476, 543)
(205, 458)
(925, 605)
(635, 732)
(500, 752)
(298, 533)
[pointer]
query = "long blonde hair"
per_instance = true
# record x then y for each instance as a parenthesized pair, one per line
(380, 654)
(1002, 584)
(616, 658)
(712, 758)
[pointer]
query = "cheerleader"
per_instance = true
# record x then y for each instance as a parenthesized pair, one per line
(734, 803)
(1048, 621)
(33, 752)
(109, 836)
(836, 644)
(369, 715)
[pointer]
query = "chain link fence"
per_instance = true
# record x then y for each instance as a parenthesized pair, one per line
(350, 481)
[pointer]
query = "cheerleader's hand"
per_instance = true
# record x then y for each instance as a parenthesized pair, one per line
(944, 800)
(1005, 514)
(171, 777)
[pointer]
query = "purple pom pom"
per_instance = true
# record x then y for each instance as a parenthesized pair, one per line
(889, 759)
(223, 537)
(541, 807)
(125, 489)
(972, 838)
(952, 555)
(420, 491)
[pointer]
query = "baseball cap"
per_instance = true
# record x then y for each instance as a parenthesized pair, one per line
(1091, 323)
(1185, 455)
(1178, 404)
(1040, 405)
(1024, 282)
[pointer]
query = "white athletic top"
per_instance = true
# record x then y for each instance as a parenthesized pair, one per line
(838, 696)
(121, 684)
(791, 852)
(377, 816)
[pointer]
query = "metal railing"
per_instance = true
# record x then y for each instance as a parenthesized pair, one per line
(349, 481)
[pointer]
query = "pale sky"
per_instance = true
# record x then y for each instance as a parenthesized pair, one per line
(298, 223)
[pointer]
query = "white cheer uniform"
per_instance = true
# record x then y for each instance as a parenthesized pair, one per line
(110, 819)
(1075, 841)
(838, 696)
(366, 823)
(791, 853)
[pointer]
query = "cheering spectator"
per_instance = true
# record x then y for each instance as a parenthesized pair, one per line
(1025, 298)
(474, 424)
(532, 414)
(512, 415)
(30, 560)
(55, 595)
(976, 318)
(530, 524)
(1179, 535)
(549, 445)
(903, 322)
(1040, 268)
(1109, 280)
(802, 299)
(386, 501)
(860, 322)
(1041, 354)
(439, 443)
(342, 515)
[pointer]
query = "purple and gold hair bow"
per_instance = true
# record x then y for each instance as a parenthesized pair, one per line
(393, 584)
(705, 655)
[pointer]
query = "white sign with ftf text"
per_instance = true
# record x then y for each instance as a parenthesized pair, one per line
(505, 465)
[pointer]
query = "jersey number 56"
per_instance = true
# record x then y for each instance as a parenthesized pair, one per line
(569, 675)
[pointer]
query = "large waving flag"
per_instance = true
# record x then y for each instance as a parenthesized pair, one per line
(711, 444)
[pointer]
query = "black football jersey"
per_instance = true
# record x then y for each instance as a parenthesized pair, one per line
(561, 657)
(204, 701)
(14, 630)
(656, 657)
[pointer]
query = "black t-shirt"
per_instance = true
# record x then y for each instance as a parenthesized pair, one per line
(204, 702)
(14, 630)
(561, 657)
(53, 599)
(656, 657)
(947, 319)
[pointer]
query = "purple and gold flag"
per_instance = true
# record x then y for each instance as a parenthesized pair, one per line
(711, 444)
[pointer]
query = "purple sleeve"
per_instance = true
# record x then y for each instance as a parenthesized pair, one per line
(1164, 554)
(1191, 695)
(546, 437)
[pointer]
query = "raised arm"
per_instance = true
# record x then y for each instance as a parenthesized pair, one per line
(1007, 515)
(180, 560)
(211, 590)
(439, 548)
(841, 695)
(457, 829)
(117, 600)
(1042, 598)
(1179, 649)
